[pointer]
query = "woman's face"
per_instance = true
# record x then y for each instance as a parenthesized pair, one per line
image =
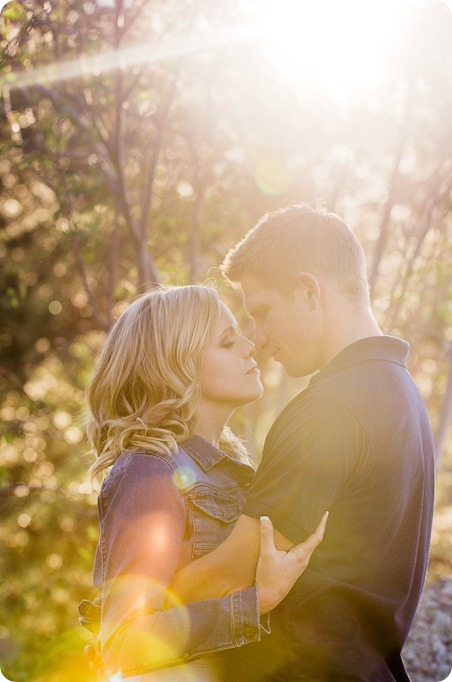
(229, 376)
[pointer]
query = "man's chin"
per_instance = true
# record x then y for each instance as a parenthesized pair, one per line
(288, 370)
(295, 372)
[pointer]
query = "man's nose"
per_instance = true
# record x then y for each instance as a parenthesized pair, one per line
(260, 337)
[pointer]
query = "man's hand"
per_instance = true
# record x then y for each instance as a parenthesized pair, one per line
(277, 571)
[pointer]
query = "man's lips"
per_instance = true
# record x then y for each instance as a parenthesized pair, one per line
(254, 370)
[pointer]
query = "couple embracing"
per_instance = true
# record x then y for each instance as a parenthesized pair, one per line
(211, 571)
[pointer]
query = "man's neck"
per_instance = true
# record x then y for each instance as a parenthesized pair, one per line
(349, 324)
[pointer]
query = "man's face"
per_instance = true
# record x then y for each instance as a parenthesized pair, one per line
(290, 329)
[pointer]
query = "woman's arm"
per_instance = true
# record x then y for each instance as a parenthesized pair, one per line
(142, 529)
(249, 554)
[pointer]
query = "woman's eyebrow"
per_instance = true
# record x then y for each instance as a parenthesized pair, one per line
(227, 330)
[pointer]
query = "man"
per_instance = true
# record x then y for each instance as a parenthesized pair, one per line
(356, 442)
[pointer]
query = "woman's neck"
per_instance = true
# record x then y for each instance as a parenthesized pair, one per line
(210, 423)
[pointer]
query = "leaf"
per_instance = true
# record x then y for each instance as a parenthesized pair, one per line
(13, 11)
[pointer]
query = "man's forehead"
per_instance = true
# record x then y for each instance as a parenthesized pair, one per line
(252, 287)
(254, 301)
(255, 293)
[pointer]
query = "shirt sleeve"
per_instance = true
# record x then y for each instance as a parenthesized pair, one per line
(142, 527)
(315, 451)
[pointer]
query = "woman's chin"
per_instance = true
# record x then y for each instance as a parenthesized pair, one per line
(258, 393)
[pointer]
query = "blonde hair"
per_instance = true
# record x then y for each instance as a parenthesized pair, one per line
(145, 387)
(299, 239)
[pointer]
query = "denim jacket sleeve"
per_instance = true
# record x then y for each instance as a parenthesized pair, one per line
(143, 521)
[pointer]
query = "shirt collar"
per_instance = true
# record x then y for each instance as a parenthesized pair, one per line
(386, 348)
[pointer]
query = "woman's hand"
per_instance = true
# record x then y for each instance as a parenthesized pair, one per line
(92, 653)
(277, 571)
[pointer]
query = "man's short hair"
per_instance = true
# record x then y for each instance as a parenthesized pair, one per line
(299, 239)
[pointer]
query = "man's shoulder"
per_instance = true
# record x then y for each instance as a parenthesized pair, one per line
(315, 416)
(320, 399)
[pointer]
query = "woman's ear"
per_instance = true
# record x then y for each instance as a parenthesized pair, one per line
(309, 288)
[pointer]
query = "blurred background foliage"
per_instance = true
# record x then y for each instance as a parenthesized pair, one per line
(147, 170)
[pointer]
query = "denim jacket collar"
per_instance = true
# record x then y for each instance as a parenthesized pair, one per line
(207, 456)
(203, 452)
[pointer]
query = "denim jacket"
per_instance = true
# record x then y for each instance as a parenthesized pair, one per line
(158, 513)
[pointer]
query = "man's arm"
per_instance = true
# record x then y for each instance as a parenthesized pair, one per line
(230, 567)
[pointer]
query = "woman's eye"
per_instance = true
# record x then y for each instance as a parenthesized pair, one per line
(229, 340)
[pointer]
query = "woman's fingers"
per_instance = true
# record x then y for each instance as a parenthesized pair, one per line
(95, 660)
(90, 652)
(267, 536)
(306, 548)
(320, 530)
(277, 570)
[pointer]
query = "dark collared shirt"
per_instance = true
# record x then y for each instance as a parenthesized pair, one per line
(157, 513)
(356, 442)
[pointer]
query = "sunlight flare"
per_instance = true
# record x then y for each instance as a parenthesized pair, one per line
(334, 46)
(146, 53)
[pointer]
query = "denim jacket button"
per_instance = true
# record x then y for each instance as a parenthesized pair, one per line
(248, 632)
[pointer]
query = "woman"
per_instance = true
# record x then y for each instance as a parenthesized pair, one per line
(172, 371)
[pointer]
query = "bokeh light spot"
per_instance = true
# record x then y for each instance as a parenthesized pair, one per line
(54, 561)
(272, 175)
(62, 419)
(55, 307)
(24, 520)
(184, 477)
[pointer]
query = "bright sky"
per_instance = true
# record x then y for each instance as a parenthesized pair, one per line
(337, 45)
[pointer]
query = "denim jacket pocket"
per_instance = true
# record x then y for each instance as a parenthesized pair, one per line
(213, 516)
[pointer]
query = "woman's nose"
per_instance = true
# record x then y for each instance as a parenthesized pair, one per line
(250, 350)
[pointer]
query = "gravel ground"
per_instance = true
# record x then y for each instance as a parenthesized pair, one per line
(428, 650)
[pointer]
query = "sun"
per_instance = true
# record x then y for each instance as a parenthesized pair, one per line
(337, 46)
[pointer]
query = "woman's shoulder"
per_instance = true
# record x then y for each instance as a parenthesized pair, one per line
(137, 465)
(142, 458)
(138, 483)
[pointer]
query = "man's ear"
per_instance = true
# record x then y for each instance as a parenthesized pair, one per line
(309, 288)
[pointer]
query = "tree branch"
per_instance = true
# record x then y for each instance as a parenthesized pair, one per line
(147, 194)
(393, 186)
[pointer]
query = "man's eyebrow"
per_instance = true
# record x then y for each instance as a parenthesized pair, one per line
(255, 307)
(250, 305)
